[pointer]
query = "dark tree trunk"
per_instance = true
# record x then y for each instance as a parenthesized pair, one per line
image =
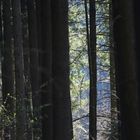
(7, 70)
(115, 126)
(127, 87)
(137, 48)
(93, 72)
(34, 68)
(19, 72)
(26, 54)
(46, 71)
(1, 46)
(56, 106)
(61, 92)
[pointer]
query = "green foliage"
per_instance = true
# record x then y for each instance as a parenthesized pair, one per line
(7, 119)
(79, 74)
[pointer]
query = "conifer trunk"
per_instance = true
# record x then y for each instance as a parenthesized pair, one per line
(60, 69)
(46, 71)
(19, 72)
(93, 73)
(7, 69)
(26, 54)
(127, 87)
(34, 68)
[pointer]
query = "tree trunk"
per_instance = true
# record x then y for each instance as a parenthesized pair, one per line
(7, 70)
(115, 126)
(93, 73)
(34, 68)
(26, 54)
(1, 45)
(137, 49)
(60, 69)
(19, 72)
(127, 87)
(46, 71)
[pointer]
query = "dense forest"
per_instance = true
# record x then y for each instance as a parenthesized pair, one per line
(69, 70)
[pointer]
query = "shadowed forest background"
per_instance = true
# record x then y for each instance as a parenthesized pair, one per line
(69, 70)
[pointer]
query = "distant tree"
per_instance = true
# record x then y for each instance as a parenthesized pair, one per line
(93, 72)
(79, 75)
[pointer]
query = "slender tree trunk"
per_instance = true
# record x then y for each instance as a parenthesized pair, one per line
(137, 49)
(127, 87)
(93, 72)
(7, 70)
(1, 47)
(115, 126)
(34, 68)
(19, 72)
(26, 52)
(62, 125)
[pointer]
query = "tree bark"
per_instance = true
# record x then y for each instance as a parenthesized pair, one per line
(93, 73)
(19, 72)
(26, 54)
(34, 68)
(46, 71)
(60, 69)
(7, 70)
(1, 45)
(115, 125)
(127, 87)
(137, 31)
